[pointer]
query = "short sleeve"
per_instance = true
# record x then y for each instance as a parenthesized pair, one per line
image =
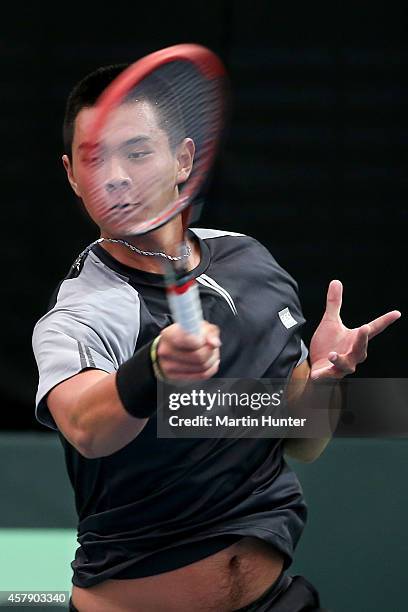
(62, 348)
(304, 353)
(94, 323)
(282, 311)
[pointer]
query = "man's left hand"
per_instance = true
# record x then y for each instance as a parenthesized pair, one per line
(336, 350)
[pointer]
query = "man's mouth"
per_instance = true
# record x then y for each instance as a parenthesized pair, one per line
(124, 205)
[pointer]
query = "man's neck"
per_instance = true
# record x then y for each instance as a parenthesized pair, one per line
(165, 239)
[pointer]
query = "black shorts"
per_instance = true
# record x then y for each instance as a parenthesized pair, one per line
(287, 594)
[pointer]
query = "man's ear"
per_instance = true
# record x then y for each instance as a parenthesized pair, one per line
(70, 175)
(185, 158)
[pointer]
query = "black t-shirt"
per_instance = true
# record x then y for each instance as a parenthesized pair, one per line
(158, 504)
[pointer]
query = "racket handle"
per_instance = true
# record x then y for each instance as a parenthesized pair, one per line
(185, 306)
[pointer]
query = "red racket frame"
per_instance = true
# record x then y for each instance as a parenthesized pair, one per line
(210, 66)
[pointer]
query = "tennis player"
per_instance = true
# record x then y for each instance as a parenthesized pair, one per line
(177, 525)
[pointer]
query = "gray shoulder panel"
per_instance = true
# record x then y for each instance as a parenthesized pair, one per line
(94, 324)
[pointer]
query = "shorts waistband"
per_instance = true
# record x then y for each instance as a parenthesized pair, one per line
(280, 585)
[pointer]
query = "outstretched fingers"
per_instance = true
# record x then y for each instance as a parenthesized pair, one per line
(378, 325)
(334, 300)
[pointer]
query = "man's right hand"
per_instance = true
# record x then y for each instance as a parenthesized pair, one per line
(182, 356)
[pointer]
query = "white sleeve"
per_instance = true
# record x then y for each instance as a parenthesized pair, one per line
(64, 347)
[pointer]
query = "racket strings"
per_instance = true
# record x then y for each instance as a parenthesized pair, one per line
(130, 190)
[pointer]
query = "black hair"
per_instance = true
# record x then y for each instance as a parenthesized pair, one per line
(154, 89)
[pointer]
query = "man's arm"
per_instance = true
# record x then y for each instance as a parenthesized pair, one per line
(335, 352)
(88, 408)
(302, 393)
(90, 415)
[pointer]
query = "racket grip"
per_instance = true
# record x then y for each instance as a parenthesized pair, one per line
(185, 306)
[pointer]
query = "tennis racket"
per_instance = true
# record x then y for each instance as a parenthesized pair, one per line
(152, 143)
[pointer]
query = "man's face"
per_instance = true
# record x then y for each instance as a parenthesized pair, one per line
(134, 173)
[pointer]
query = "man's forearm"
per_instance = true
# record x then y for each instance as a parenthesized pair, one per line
(114, 410)
(320, 404)
(105, 425)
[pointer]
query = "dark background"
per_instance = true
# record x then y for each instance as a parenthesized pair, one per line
(314, 165)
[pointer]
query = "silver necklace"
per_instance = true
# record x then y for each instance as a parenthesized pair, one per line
(186, 247)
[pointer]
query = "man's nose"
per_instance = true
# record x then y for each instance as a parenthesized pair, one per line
(117, 179)
(117, 184)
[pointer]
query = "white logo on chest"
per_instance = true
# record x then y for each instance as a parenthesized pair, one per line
(287, 318)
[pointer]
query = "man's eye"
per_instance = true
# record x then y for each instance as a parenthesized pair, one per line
(137, 154)
(93, 160)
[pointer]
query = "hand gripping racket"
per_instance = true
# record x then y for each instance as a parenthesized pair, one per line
(151, 145)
